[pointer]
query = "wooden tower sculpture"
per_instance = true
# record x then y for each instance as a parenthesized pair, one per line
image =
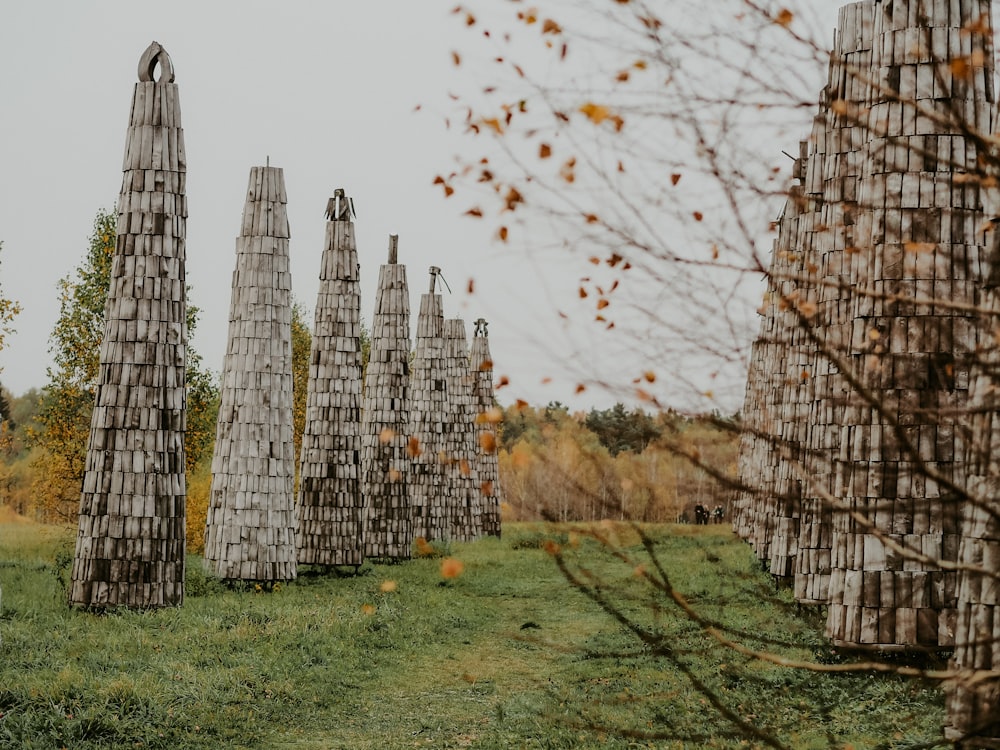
(486, 420)
(920, 239)
(428, 412)
(388, 526)
(130, 543)
(251, 523)
(330, 499)
(461, 447)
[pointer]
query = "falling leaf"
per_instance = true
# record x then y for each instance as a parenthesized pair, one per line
(503, 382)
(451, 568)
(493, 415)
(512, 198)
(651, 22)
(387, 587)
(567, 170)
(675, 178)
(552, 547)
(623, 75)
(413, 448)
(592, 218)
(544, 151)
(488, 442)
(602, 303)
(551, 27)
(386, 435)
(486, 365)
(493, 124)
(698, 215)
(583, 293)
(471, 287)
(596, 113)
(784, 17)
(580, 388)
(486, 488)
(476, 212)
(456, 58)
(650, 376)
(502, 234)
(395, 475)
(919, 247)
(368, 609)
(422, 548)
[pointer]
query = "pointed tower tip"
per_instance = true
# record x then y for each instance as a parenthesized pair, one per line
(153, 56)
(393, 248)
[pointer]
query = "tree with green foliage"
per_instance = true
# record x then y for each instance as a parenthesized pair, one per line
(9, 310)
(68, 399)
(620, 430)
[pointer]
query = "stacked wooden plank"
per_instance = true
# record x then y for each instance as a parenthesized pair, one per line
(919, 240)
(388, 527)
(487, 420)
(460, 437)
(428, 412)
(835, 179)
(130, 542)
(251, 522)
(330, 499)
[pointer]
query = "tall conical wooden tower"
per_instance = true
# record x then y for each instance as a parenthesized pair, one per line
(388, 526)
(130, 543)
(920, 239)
(330, 499)
(428, 412)
(461, 448)
(251, 523)
(486, 420)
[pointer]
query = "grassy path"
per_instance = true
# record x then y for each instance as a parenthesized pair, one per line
(507, 655)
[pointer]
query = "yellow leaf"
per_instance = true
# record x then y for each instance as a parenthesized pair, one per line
(596, 113)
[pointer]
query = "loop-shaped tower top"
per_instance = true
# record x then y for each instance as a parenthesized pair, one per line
(481, 328)
(155, 54)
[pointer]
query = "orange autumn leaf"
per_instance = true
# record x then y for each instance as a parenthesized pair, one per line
(650, 376)
(602, 303)
(488, 442)
(486, 488)
(368, 610)
(470, 287)
(475, 212)
(456, 58)
(596, 113)
(395, 475)
(386, 435)
(675, 178)
(452, 568)
(698, 215)
(551, 27)
(580, 388)
(387, 587)
(784, 17)
(503, 382)
(413, 448)
(464, 468)
(502, 234)
(544, 151)
(422, 548)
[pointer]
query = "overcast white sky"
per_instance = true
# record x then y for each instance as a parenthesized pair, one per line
(325, 90)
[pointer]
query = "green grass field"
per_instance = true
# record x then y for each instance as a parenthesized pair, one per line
(506, 655)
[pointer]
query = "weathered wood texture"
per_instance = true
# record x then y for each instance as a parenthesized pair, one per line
(130, 542)
(388, 526)
(251, 522)
(428, 414)
(486, 420)
(460, 446)
(974, 706)
(330, 499)
(920, 239)
(834, 179)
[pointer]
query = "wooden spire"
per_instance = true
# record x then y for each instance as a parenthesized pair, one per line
(130, 542)
(330, 500)
(251, 522)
